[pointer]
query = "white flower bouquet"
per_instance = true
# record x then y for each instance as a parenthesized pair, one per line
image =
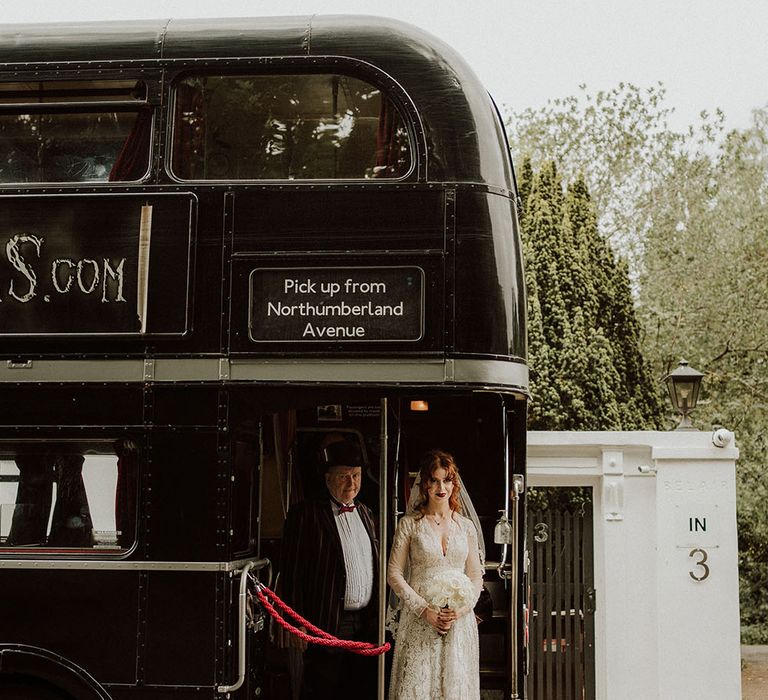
(448, 588)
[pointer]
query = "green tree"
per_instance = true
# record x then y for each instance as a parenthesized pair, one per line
(587, 369)
(690, 211)
(620, 141)
(538, 220)
(704, 296)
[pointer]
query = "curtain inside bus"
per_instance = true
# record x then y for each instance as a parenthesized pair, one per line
(132, 161)
(71, 524)
(188, 130)
(125, 492)
(66, 497)
(29, 525)
(389, 141)
(74, 131)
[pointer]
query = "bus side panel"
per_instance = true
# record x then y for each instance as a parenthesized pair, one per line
(80, 615)
(207, 284)
(351, 233)
(336, 219)
(185, 405)
(490, 297)
(63, 405)
(181, 628)
(142, 693)
(146, 693)
(186, 497)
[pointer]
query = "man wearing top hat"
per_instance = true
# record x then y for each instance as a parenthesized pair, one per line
(329, 575)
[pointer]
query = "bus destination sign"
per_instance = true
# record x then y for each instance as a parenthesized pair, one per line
(338, 304)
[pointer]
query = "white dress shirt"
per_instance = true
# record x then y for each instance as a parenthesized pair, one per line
(358, 558)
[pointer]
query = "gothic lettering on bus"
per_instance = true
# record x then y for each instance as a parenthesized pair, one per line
(88, 273)
(13, 253)
(89, 276)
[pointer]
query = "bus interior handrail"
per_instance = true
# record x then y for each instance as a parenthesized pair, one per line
(254, 565)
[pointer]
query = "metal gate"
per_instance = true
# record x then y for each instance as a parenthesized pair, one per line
(562, 595)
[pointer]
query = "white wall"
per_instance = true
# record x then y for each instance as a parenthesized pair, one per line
(660, 634)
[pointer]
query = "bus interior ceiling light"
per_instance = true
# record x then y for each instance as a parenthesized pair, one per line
(419, 405)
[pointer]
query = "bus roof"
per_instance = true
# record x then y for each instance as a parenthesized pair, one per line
(465, 139)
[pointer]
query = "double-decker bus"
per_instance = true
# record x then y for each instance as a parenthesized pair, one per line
(225, 243)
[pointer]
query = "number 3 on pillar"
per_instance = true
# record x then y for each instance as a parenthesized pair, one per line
(701, 571)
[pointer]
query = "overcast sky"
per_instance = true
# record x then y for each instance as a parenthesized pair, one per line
(708, 53)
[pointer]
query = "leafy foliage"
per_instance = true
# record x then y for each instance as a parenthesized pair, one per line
(619, 140)
(587, 371)
(690, 212)
(572, 499)
(704, 294)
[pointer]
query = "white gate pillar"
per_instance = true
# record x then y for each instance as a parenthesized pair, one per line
(665, 557)
(697, 570)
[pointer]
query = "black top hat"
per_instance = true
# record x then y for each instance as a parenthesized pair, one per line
(342, 454)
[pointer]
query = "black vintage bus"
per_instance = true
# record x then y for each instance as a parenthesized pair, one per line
(225, 243)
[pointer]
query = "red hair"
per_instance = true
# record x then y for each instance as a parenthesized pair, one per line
(430, 462)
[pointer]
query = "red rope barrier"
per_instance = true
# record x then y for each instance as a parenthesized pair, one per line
(320, 637)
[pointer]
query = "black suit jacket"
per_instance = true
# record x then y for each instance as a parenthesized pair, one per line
(313, 577)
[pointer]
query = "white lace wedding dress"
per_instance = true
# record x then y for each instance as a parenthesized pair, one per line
(427, 666)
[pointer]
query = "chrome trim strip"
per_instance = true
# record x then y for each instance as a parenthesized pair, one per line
(216, 369)
(101, 565)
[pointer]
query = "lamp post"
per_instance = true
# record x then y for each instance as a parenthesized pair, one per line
(683, 386)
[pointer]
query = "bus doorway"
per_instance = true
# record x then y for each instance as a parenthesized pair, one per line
(297, 530)
(392, 430)
(485, 432)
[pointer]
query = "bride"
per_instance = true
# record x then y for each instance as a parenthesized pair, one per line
(436, 647)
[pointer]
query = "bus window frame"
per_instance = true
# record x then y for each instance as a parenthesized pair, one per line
(301, 65)
(152, 77)
(47, 553)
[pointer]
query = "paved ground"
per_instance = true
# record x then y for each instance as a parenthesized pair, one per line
(754, 672)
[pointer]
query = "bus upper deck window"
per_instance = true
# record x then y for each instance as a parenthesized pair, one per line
(74, 131)
(286, 127)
